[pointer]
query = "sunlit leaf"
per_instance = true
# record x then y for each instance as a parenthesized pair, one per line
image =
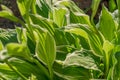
(107, 25)
(19, 50)
(82, 59)
(59, 16)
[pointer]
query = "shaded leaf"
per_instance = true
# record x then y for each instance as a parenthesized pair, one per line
(19, 50)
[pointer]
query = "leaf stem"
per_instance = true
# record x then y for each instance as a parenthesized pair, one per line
(51, 73)
(106, 69)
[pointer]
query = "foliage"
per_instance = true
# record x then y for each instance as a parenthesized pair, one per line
(8, 35)
(58, 41)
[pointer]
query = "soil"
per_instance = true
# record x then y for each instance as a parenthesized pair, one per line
(83, 4)
(5, 23)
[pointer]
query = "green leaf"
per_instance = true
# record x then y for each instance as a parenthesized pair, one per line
(7, 35)
(118, 4)
(43, 8)
(80, 34)
(78, 31)
(107, 25)
(70, 72)
(96, 44)
(1, 46)
(112, 5)
(23, 67)
(93, 40)
(108, 53)
(70, 5)
(24, 7)
(116, 16)
(21, 35)
(21, 6)
(59, 16)
(76, 14)
(24, 37)
(45, 48)
(94, 6)
(107, 47)
(6, 73)
(33, 6)
(80, 58)
(8, 15)
(27, 68)
(19, 50)
(116, 70)
(114, 73)
(77, 17)
(44, 23)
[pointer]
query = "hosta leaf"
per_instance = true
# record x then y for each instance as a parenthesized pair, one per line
(76, 14)
(21, 35)
(59, 16)
(24, 37)
(60, 37)
(27, 68)
(69, 4)
(1, 46)
(8, 15)
(43, 8)
(112, 5)
(82, 59)
(7, 35)
(45, 23)
(78, 31)
(77, 17)
(70, 72)
(107, 25)
(94, 6)
(96, 44)
(45, 47)
(19, 50)
(81, 34)
(21, 6)
(23, 67)
(5, 8)
(24, 7)
(6, 73)
(108, 51)
(117, 66)
(65, 43)
(114, 73)
(92, 39)
(115, 15)
(107, 47)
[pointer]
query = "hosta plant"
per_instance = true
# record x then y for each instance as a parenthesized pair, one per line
(58, 41)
